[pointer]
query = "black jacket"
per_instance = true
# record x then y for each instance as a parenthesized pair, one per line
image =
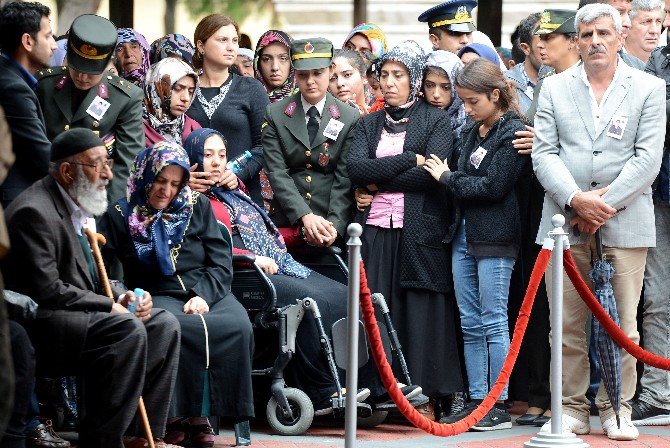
(29, 136)
(487, 195)
(425, 261)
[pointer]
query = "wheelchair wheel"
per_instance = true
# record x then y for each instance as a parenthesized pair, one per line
(303, 413)
(376, 419)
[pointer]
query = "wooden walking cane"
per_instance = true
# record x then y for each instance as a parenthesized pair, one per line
(94, 239)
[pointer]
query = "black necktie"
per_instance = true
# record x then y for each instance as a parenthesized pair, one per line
(312, 124)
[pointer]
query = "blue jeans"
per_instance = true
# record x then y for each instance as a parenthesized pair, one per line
(482, 291)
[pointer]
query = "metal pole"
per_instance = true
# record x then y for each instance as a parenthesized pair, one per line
(354, 256)
(556, 437)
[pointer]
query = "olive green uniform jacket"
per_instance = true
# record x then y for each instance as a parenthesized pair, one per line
(120, 126)
(308, 178)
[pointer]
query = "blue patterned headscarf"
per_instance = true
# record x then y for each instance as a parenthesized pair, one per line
(256, 229)
(171, 45)
(154, 232)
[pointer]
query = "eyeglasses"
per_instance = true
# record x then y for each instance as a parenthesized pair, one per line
(99, 167)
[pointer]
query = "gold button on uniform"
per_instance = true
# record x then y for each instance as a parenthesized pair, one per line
(308, 153)
(308, 179)
(308, 196)
(308, 166)
(67, 127)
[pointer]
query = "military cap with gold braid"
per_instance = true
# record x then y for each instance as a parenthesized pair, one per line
(454, 15)
(91, 41)
(311, 54)
(557, 21)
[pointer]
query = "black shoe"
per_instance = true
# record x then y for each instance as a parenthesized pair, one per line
(527, 419)
(645, 414)
(467, 410)
(540, 421)
(497, 418)
(44, 436)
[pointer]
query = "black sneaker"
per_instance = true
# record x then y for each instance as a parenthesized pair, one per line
(467, 410)
(497, 418)
(645, 414)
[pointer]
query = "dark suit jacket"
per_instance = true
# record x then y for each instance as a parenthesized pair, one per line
(48, 263)
(123, 119)
(308, 178)
(30, 143)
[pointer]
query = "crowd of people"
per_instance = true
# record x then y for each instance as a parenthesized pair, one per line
(182, 152)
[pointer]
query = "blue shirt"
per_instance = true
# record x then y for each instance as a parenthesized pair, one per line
(25, 74)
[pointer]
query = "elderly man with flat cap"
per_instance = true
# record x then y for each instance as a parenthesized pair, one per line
(83, 95)
(450, 24)
(78, 331)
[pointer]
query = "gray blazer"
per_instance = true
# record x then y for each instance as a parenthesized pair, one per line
(570, 154)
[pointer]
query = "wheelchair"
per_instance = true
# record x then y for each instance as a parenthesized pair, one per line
(289, 411)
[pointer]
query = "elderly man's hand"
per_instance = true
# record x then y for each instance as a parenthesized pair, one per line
(590, 206)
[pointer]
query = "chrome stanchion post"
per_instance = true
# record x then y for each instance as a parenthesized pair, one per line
(558, 240)
(354, 256)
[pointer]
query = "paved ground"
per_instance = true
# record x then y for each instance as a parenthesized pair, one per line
(328, 433)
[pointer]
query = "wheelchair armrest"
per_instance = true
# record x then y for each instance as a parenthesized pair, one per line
(243, 258)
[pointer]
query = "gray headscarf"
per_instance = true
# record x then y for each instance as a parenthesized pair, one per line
(411, 55)
(451, 64)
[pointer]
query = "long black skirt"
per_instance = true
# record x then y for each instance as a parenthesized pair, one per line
(217, 353)
(309, 370)
(425, 320)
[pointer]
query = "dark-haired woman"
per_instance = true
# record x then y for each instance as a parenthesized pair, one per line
(407, 221)
(230, 103)
(348, 82)
(486, 243)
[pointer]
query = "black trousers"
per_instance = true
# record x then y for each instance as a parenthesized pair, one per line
(120, 359)
(23, 358)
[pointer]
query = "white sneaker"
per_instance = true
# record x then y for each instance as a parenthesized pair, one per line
(569, 425)
(626, 432)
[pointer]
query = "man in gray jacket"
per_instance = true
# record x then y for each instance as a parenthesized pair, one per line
(653, 405)
(597, 151)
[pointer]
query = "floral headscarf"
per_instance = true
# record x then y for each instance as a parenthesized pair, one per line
(289, 87)
(411, 55)
(154, 232)
(375, 37)
(451, 64)
(256, 229)
(136, 76)
(171, 45)
(157, 92)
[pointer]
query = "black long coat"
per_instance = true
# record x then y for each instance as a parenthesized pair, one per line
(425, 261)
(216, 349)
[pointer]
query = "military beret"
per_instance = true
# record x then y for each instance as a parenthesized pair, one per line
(73, 142)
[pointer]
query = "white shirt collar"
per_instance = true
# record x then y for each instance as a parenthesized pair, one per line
(80, 218)
(319, 106)
(595, 106)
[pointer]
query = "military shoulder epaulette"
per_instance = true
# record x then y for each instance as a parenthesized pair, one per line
(121, 84)
(58, 70)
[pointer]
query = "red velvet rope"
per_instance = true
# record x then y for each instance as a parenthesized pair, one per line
(389, 381)
(606, 321)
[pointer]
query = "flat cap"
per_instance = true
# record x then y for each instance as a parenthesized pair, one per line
(73, 142)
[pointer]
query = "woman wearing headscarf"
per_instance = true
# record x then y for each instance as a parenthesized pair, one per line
(230, 103)
(170, 245)
(168, 93)
(272, 65)
(408, 220)
(368, 40)
(473, 51)
(171, 46)
(132, 52)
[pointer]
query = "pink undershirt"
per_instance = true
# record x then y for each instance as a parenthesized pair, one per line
(388, 208)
